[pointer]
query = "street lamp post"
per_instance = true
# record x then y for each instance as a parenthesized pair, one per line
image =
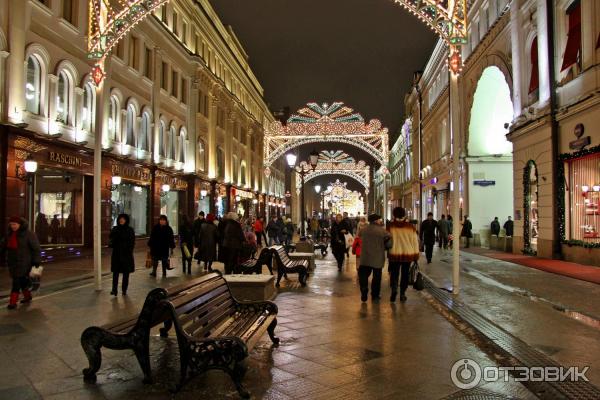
(302, 170)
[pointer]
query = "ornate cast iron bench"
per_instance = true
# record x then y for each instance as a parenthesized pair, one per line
(132, 333)
(285, 265)
(215, 331)
(254, 265)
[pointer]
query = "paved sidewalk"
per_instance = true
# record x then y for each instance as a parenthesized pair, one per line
(583, 272)
(333, 347)
(556, 315)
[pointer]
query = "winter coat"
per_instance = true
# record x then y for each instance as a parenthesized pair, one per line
(444, 228)
(428, 228)
(289, 230)
(209, 238)
(186, 235)
(233, 235)
(338, 240)
(258, 226)
(122, 242)
(161, 241)
(27, 254)
(196, 226)
(405, 242)
(273, 229)
(375, 241)
(495, 227)
(356, 246)
(467, 229)
(509, 227)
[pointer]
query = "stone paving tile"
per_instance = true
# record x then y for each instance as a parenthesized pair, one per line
(22, 392)
(304, 368)
(301, 387)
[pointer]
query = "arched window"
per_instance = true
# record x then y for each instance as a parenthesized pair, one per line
(235, 177)
(182, 146)
(161, 139)
(172, 143)
(220, 163)
(130, 126)
(62, 99)
(87, 112)
(534, 81)
(33, 86)
(201, 155)
(113, 118)
(144, 136)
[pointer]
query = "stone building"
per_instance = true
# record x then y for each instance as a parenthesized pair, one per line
(181, 119)
(528, 142)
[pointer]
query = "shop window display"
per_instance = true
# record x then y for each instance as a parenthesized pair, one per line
(169, 206)
(132, 200)
(58, 208)
(583, 194)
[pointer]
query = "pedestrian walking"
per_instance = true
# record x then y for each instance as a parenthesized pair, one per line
(207, 253)
(186, 243)
(122, 242)
(495, 227)
(467, 230)
(339, 229)
(258, 227)
(443, 231)
(427, 233)
(273, 231)
(233, 242)
(196, 229)
(404, 251)
(161, 243)
(21, 251)
(314, 228)
(289, 231)
(375, 242)
(362, 222)
(509, 226)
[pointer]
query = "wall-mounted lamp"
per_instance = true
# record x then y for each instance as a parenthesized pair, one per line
(596, 188)
(254, 201)
(585, 188)
(203, 193)
(29, 168)
(115, 182)
(238, 198)
(164, 190)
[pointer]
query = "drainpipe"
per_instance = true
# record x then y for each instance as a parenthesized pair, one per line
(416, 80)
(557, 249)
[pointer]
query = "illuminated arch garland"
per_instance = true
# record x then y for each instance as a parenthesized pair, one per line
(326, 123)
(338, 163)
(110, 20)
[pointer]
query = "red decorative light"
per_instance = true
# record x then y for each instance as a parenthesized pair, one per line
(455, 62)
(97, 74)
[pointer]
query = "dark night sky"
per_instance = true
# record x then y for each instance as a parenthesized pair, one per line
(361, 52)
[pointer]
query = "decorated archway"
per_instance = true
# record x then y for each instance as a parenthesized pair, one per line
(326, 123)
(339, 163)
(111, 20)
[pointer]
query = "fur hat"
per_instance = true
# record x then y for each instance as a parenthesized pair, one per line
(16, 220)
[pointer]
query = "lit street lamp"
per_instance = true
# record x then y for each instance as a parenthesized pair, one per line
(302, 170)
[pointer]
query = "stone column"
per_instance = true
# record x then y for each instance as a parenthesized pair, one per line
(18, 11)
(516, 47)
(229, 148)
(543, 60)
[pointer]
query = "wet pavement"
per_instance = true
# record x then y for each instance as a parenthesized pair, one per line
(332, 345)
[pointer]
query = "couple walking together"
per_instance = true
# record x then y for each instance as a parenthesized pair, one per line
(401, 242)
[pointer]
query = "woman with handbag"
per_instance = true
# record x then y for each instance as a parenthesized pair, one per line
(122, 242)
(23, 251)
(186, 243)
(161, 243)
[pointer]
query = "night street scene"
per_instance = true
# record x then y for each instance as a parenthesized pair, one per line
(316, 199)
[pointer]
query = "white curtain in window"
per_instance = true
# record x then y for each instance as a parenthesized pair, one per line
(33, 86)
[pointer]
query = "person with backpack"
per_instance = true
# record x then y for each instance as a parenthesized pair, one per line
(404, 251)
(22, 250)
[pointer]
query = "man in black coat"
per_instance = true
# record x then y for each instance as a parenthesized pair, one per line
(495, 227)
(428, 234)
(122, 242)
(233, 240)
(509, 226)
(197, 226)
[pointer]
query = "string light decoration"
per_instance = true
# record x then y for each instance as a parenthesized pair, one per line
(326, 123)
(109, 21)
(528, 250)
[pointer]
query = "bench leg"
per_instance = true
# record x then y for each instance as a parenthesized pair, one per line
(142, 353)
(237, 375)
(279, 276)
(271, 332)
(91, 342)
(164, 331)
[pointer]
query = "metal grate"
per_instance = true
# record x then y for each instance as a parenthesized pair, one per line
(516, 348)
(477, 394)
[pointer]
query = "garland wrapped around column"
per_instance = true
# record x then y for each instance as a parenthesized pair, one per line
(527, 250)
(561, 204)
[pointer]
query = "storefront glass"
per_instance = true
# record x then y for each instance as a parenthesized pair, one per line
(58, 207)
(169, 206)
(132, 200)
(583, 198)
(204, 205)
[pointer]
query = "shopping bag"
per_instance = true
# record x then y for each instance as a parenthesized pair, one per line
(349, 239)
(148, 260)
(35, 277)
(415, 278)
(186, 251)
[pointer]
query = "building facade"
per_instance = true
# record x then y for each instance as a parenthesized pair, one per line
(181, 119)
(528, 139)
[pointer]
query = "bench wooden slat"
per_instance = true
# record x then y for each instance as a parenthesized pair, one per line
(214, 315)
(196, 292)
(183, 307)
(201, 311)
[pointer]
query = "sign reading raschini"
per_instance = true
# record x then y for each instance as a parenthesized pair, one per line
(64, 159)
